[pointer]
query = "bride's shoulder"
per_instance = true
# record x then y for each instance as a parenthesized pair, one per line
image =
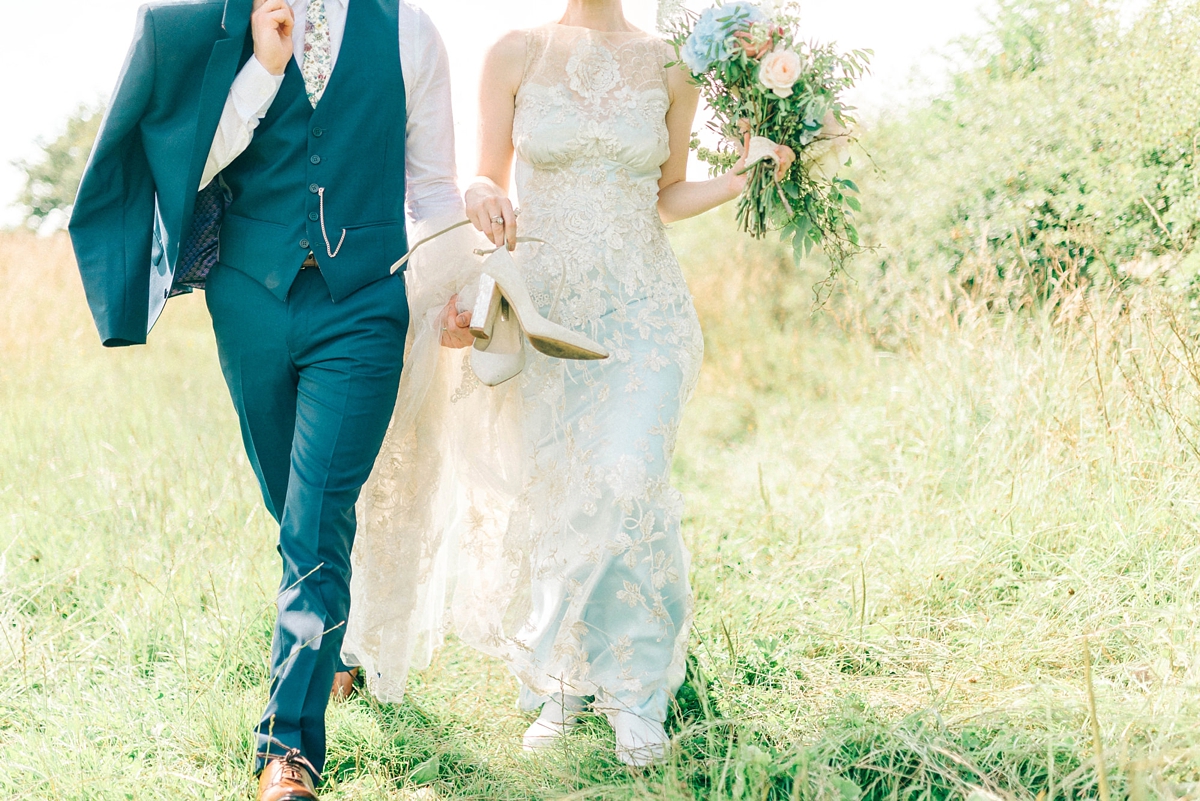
(505, 59)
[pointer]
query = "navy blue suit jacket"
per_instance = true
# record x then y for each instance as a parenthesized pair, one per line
(138, 194)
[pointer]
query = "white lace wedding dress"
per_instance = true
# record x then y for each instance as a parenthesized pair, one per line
(540, 514)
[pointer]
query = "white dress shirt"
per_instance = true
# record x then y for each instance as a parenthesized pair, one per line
(432, 187)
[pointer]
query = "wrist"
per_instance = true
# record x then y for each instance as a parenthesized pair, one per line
(734, 183)
(256, 72)
(484, 184)
(481, 188)
(274, 69)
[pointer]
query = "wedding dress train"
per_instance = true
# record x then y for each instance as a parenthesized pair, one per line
(536, 519)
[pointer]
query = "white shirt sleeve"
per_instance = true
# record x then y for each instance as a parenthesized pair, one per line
(432, 181)
(430, 166)
(250, 98)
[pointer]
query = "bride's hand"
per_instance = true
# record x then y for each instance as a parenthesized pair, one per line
(492, 213)
(737, 175)
(456, 326)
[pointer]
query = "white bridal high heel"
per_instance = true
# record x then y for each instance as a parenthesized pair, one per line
(500, 356)
(501, 285)
(504, 316)
(559, 715)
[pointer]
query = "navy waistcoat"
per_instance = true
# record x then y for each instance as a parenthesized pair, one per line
(350, 149)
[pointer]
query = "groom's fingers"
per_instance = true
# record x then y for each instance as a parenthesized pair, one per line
(455, 326)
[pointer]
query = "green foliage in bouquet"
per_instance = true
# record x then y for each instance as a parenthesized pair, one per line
(761, 81)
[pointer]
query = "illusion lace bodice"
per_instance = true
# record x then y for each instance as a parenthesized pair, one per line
(590, 136)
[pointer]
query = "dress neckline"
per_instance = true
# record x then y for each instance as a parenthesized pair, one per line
(635, 33)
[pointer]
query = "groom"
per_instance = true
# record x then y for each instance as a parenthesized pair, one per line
(309, 125)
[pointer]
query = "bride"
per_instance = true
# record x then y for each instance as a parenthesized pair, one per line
(536, 519)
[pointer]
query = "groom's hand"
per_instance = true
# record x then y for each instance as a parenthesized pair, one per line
(456, 326)
(272, 25)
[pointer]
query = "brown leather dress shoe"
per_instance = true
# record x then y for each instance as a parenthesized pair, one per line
(287, 778)
(343, 684)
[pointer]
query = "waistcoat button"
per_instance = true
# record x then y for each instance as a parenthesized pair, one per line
(304, 244)
(318, 132)
(312, 215)
(315, 159)
(314, 188)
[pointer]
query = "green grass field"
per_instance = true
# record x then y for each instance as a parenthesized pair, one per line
(901, 556)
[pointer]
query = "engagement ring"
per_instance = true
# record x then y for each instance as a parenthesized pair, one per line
(498, 220)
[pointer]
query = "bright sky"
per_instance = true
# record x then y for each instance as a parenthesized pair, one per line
(60, 53)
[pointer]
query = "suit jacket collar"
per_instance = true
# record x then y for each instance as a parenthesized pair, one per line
(237, 18)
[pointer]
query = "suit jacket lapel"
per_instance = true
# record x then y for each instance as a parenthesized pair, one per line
(218, 78)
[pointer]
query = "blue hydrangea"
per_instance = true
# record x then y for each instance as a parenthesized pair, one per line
(709, 41)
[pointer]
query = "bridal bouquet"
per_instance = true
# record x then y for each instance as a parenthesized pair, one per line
(783, 97)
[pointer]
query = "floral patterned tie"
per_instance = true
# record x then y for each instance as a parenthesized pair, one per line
(318, 51)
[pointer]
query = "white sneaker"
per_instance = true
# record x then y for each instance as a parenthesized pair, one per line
(559, 715)
(641, 741)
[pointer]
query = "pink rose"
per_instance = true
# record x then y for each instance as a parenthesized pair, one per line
(755, 42)
(779, 71)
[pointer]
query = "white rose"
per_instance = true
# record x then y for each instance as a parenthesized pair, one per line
(779, 71)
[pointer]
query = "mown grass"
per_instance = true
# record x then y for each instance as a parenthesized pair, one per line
(898, 557)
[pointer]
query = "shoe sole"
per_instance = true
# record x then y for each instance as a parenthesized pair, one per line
(563, 350)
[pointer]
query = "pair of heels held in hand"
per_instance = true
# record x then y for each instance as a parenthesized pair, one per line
(640, 741)
(504, 317)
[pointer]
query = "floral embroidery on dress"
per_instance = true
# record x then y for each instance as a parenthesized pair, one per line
(592, 71)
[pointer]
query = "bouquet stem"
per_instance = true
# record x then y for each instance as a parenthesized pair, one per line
(753, 213)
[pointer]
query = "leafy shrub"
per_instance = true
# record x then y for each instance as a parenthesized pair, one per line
(1063, 155)
(52, 180)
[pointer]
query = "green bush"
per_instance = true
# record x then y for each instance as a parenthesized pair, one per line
(1063, 155)
(52, 180)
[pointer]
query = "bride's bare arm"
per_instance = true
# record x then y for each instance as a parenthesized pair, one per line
(679, 198)
(487, 197)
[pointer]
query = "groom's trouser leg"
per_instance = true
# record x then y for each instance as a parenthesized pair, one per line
(314, 383)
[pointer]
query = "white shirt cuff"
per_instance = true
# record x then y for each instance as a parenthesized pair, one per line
(254, 90)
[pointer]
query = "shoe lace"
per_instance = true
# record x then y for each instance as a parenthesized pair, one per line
(292, 767)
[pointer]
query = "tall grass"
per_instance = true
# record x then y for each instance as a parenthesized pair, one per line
(898, 556)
